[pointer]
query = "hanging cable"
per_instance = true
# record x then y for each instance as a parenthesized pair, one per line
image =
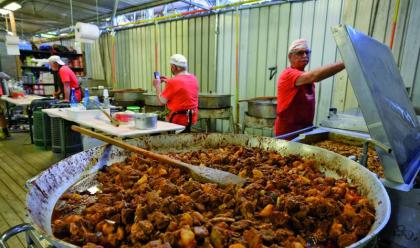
(71, 12)
(97, 13)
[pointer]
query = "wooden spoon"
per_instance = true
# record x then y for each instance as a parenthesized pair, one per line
(199, 173)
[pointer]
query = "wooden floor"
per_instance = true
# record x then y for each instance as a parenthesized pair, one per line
(19, 161)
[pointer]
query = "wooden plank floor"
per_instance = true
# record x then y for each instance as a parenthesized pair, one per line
(19, 161)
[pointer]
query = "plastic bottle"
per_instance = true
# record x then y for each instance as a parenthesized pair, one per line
(106, 98)
(73, 101)
(86, 98)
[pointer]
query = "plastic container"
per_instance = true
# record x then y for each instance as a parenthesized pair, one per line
(124, 117)
(80, 114)
(106, 98)
(145, 120)
(135, 109)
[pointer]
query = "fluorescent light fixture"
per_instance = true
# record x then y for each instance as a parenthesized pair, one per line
(12, 6)
(4, 11)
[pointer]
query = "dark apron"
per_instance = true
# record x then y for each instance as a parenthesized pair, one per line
(188, 112)
(299, 114)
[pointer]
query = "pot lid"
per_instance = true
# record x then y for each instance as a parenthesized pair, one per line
(139, 90)
(384, 102)
(263, 102)
(212, 95)
(149, 94)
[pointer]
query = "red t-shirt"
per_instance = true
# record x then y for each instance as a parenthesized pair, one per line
(295, 104)
(181, 92)
(67, 75)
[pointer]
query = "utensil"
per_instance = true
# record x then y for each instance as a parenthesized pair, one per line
(199, 173)
(113, 121)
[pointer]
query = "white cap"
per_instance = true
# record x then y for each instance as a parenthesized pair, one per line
(56, 59)
(178, 60)
(298, 44)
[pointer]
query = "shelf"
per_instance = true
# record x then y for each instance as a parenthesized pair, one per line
(43, 95)
(77, 68)
(48, 53)
(37, 84)
(43, 68)
(40, 68)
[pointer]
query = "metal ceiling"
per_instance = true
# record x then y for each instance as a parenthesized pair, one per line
(41, 15)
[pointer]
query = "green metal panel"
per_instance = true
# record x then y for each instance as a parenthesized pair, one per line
(191, 45)
(252, 52)
(317, 42)
(262, 69)
(185, 38)
(198, 49)
(243, 57)
(272, 46)
(131, 64)
(204, 83)
(212, 53)
(329, 56)
(295, 21)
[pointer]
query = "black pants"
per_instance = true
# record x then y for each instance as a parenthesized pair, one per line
(188, 112)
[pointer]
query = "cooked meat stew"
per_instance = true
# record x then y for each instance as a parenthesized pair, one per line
(287, 202)
(373, 163)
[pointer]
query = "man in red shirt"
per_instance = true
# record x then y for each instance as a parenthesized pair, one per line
(67, 76)
(180, 94)
(296, 89)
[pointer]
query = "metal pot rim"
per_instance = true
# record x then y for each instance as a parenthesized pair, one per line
(264, 102)
(213, 95)
(90, 161)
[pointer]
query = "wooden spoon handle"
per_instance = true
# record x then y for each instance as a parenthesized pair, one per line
(124, 145)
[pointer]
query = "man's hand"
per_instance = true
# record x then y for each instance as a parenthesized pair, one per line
(163, 79)
(156, 83)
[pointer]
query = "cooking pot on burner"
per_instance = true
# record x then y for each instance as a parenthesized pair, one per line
(45, 190)
(213, 101)
(263, 108)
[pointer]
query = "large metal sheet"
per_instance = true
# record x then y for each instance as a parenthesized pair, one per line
(383, 99)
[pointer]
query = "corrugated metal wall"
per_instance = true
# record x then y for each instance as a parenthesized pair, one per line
(141, 51)
(265, 32)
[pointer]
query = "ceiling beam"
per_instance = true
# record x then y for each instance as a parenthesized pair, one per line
(84, 5)
(64, 5)
(196, 4)
(132, 9)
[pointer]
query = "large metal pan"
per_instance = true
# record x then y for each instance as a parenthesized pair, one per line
(127, 97)
(45, 190)
(213, 101)
(263, 108)
(150, 99)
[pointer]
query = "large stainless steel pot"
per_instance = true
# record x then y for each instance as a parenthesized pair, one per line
(263, 108)
(150, 99)
(127, 97)
(95, 91)
(213, 101)
(46, 188)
